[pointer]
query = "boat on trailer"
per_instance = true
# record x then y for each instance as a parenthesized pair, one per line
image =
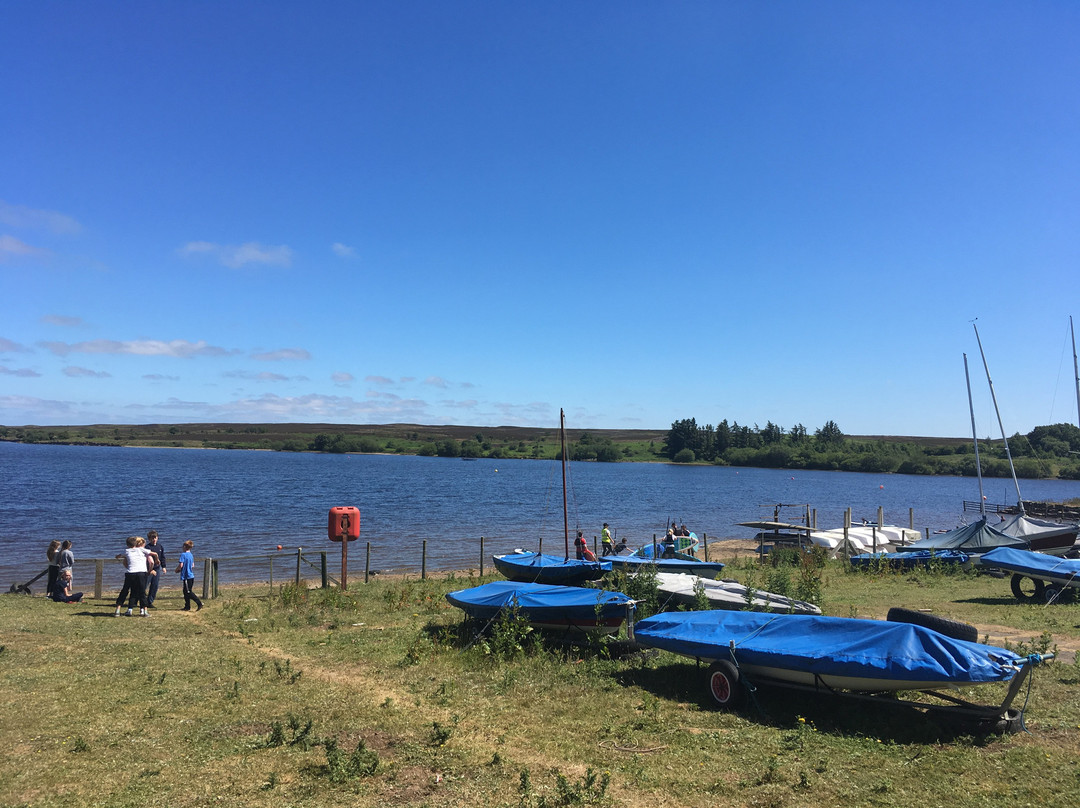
(560, 608)
(849, 656)
(680, 564)
(1050, 576)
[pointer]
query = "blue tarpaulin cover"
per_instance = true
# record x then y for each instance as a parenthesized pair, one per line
(540, 601)
(828, 646)
(918, 558)
(632, 563)
(549, 569)
(1037, 565)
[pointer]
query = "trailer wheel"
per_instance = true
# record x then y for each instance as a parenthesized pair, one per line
(1010, 721)
(942, 625)
(725, 686)
(1021, 591)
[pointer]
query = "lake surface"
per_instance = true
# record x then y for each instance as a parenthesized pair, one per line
(243, 503)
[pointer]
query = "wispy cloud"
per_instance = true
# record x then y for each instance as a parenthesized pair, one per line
(342, 250)
(63, 321)
(85, 373)
(11, 248)
(342, 379)
(436, 381)
(158, 377)
(179, 348)
(235, 256)
(283, 355)
(263, 377)
(378, 380)
(25, 373)
(7, 346)
(24, 218)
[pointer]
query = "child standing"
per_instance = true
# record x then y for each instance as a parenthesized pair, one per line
(136, 560)
(186, 568)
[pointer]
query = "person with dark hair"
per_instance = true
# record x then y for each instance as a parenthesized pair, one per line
(66, 558)
(153, 579)
(53, 554)
(186, 568)
(583, 551)
(607, 546)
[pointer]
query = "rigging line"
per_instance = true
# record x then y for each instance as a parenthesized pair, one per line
(1057, 381)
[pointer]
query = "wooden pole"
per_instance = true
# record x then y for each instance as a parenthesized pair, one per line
(322, 557)
(911, 518)
(481, 556)
(214, 577)
(705, 545)
(206, 578)
(367, 563)
(423, 561)
(299, 551)
(99, 571)
(271, 574)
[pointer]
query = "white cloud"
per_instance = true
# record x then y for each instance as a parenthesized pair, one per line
(158, 377)
(235, 256)
(178, 348)
(342, 250)
(11, 247)
(283, 355)
(85, 373)
(342, 379)
(25, 373)
(378, 380)
(435, 381)
(263, 377)
(25, 218)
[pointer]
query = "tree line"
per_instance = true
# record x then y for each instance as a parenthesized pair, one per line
(1046, 451)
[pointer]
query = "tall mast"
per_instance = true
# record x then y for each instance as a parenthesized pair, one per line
(1076, 371)
(565, 515)
(1001, 426)
(975, 440)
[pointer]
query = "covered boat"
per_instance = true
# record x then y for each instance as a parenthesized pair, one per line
(1055, 538)
(683, 589)
(1049, 574)
(834, 652)
(565, 608)
(972, 540)
(864, 539)
(548, 569)
(916, 558)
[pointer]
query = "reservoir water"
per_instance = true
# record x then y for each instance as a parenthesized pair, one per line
(242, 503)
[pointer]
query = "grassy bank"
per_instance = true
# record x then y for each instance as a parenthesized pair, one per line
(377, 697)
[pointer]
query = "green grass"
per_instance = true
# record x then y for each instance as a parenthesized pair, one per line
(380, 696)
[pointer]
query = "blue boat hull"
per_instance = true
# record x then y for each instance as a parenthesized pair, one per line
(545, 605)
(1039, 566)
(633, 563)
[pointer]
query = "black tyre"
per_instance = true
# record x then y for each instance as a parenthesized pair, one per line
(1037, 590)
(1010, 721)
(725, 686)
(942, 625)
(1054, 593)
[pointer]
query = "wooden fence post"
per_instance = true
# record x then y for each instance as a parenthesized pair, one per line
(705, 545)
(299, 552)
(367, 563)
(423, 561)
(214, 573)
(481, 556)
(206, 578)
(322, 557)
(99, 571)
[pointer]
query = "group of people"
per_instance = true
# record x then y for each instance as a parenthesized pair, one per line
(144, 564)
(607, 545)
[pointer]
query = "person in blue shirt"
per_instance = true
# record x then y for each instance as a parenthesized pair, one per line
(186, 568)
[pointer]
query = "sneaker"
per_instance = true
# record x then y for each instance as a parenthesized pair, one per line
(117, 613)
(198, 608)
(127, 613)
(143, 613)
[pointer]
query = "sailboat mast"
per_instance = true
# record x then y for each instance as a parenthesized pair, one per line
(565, 512)
(1076, 370)
(975, 440)
(1001, 426)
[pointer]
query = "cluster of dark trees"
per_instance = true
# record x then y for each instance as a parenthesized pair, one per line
(1046, 451)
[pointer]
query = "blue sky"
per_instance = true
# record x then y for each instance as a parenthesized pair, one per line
(480, 212)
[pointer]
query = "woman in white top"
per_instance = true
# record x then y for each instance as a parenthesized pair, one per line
(137, 563)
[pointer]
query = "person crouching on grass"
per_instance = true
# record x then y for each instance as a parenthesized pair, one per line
(137, 562)
(62, 593)
(186, 568)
